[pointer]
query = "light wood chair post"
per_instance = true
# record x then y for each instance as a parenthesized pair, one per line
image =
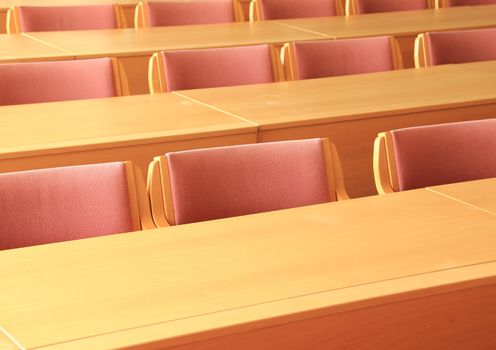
(288, 61)
(239, 14)
(13, 21)
(255, 11)
(335, 180)
(156, 74)
(384, 164)
(277, 67)
(120, 19)
(421, 52)
(139, 203)
(140, 16)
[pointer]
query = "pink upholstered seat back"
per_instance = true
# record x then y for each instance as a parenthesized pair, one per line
(470, 2)
(373, 6)
(56, 81)
(462, 46)
(280, 9)
(55, 18)
(329, 58)
(446, 153)
(180, 13)
(229, 181)
(194, 69)
(53, 205)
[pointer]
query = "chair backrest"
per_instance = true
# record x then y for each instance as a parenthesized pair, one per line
(451, 3)
(357, 7)
(424, 156)
(221, 182)
(204, 68)
(60, 18)
(60, 204)
(34, 82)
(281, 9)
(173, 13)
(328, 58)
(437, 48)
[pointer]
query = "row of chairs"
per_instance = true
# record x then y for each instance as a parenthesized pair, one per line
(58, 204)
(151, 14)
(190, 69)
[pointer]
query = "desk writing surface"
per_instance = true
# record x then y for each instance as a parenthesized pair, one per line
(18, 48)
(480, 194)
(128, 42)
(355, 96)
(33, 127)
(63, 292)
(399, 23)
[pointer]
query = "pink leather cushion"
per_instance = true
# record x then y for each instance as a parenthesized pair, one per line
(55, 18)
(229, 181)
(372, 6)
(279, 9)
(180, 13)
(462, 46)
(205, 68)
(56, 81)
(53, 205)
(329, 58)
(445, 153)
(470, 2)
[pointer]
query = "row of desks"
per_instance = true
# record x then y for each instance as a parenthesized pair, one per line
(410, 270)
(349, 110)
(133, 48)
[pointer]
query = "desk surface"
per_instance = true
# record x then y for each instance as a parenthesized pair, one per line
(128, 42)
(399, 23)
(138, 287)
(91, 124)
(313, 101)
(481, 194)
(17, 48)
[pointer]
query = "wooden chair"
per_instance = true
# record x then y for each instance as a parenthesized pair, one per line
(60, 204)
(34, 82)
(221, 182)
(173, 13)
(463, 46)
(358, 7)
(418, 157)
(281, 9)
(59, 18)
(203, 68)
(452, 3)
(328, 58)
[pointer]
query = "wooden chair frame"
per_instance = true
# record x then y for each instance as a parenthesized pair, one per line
(161, 200)
(14, 19)
(421, 51)
(384, 164)
(120, 78)
(351, 6)
(138, 199)
(141, 15)
(157, 79)
(256, 14)
(288, 58)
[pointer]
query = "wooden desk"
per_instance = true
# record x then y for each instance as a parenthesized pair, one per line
(412, 268)
(404, 25)
(128, 7)
(133, 128)
(480, 194)
(351, 110)
(134, 48)
(17, 48)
